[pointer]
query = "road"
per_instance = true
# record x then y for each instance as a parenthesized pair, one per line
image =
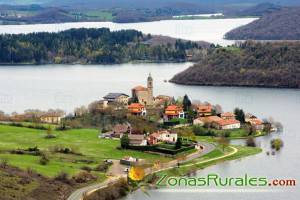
(79, 194)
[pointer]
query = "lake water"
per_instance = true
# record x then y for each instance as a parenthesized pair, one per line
(210, 30)
(66, 87)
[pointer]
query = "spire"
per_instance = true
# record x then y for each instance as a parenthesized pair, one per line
(149, 81)
(150, 77)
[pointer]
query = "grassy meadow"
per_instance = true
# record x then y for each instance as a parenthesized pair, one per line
(90, 150)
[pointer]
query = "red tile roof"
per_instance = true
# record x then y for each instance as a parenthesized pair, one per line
(139, 88)
(136, 107)
(173, 110)
(211, 119)
(228, 114)
(204, 108)
(225, 122)
(256, 121)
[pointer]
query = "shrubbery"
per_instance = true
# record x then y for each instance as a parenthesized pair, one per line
(35, 151)
(84, 177)
(65, 150)
(201, 131)
(102, 167)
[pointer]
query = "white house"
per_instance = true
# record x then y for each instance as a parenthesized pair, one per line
(227, 124)
(137, 140)
(198, 121)
(166, 136)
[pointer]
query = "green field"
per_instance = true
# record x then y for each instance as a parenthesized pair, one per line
(240, 133)
(186, 167)
(85, 141)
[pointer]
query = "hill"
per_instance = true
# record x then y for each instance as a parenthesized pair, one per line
(258, 10)
(57, 16)
(88, 46)
(157, 3)
(279, 25)
(252, 64)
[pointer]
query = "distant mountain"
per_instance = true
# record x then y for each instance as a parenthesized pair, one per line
(253, 64)
(50, 15)
(279, 25)
(159, 3)
(96, 4)
(259, 10)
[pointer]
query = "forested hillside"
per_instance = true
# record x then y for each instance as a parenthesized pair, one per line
(251, 64)
(278, 25)
(257, 10)
(89, 46)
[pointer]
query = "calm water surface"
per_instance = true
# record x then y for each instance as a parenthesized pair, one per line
(210, 30)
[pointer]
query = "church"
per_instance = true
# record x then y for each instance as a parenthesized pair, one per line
(144, 95)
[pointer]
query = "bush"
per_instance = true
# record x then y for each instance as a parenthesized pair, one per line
(178, 143)
(86, 168)
(3, 163)
(63, 177)
(29, 171)
(34, 151)
(157, 148)
(84, 177)
(113, 191)
(65, 150)
(276, 144)
(50, 136)
(227, 134)
(201, 131)
(34, 126)
(44, 160)
(250, 142)
(125, 141)
(102, 167)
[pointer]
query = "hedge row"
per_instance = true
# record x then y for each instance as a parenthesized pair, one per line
(156, 148)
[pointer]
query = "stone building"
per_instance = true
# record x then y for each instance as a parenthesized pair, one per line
(144, 95)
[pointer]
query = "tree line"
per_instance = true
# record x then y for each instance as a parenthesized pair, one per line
(87, 46)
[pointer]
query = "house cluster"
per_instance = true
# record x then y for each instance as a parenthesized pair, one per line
(222, 121)
(154, 138)
(143, 98)
(254, 121)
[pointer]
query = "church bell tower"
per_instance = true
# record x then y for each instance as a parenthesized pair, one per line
(150, 87)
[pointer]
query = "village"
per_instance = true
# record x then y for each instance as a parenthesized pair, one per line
(170, 116)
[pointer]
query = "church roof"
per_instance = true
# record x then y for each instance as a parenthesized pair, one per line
(114, 95)
(139, 88)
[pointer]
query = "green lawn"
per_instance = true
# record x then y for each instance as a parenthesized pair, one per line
(183, 170)
(85, 141)
(240, 133)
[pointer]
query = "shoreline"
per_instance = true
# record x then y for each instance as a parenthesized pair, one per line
(230, 85)
(87, 64)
